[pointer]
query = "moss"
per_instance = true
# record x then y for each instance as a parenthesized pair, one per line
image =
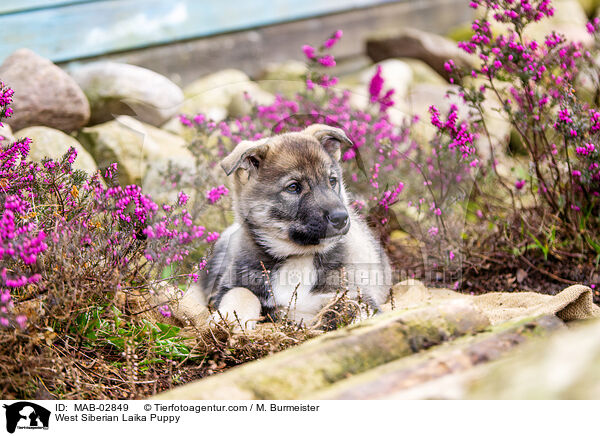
(334, 356)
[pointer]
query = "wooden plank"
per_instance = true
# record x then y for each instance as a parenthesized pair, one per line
(95, 28)
(11, 6)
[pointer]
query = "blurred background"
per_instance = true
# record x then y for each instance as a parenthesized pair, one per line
(183, 39)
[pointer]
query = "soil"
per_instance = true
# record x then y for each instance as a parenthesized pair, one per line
(502, 272)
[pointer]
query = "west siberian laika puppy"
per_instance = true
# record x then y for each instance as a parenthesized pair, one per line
(293, 220)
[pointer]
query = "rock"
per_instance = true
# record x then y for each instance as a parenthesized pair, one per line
(242, 103)
(53, 143)
(44, 94)
(397, 75)
(334, 356)
(135, 146)
(432, 49)
(423, 73)
(462, 32)
(6, 136)
(569, 19)
(589, 6)
(212, 94)
(421, 97)
(121, 89)
(175, 127)
(286, 78)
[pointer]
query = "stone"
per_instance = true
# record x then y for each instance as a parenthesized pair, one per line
(135, 146)
(396, 74)
(6, 136)
(242, 103)
(53, 143)
(121, 89)
(432, 49)
(286, 78)
(421, 97)
(175, 127)
(212, 94)
(589, 6)
(423, 73)
(44, 94)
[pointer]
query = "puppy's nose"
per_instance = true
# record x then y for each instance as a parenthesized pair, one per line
(338, 218)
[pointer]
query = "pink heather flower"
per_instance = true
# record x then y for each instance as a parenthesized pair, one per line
(199, 119)
(334, 39)
(211, 237)
(327, 61)
(215, 194)
(433, 231)
(182, 198)
(576, 173)
(451, 255)
(376, 84)
(183, 119)
(310, 85)
(309, 51)
(72, 155)
(165, 311)
(519, 184)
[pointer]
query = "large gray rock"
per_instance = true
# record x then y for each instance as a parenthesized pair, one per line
(432, 49)
(52, 143)
(134, 146)
(121, 89)
(44, 94)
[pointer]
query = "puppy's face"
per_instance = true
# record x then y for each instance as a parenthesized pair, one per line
(289, 190)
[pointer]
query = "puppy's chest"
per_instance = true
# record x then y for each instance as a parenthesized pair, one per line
(299, 284)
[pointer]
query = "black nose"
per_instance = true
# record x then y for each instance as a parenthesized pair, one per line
(338, 218)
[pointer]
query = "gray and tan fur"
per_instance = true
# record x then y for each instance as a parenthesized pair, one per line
(294, 231)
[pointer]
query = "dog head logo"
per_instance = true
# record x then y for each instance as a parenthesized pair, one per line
(24, 414)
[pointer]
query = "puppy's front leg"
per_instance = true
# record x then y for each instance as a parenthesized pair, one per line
(240, 307)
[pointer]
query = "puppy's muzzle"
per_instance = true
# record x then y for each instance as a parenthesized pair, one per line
(338, 219)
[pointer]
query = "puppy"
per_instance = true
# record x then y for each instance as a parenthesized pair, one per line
(296, 240)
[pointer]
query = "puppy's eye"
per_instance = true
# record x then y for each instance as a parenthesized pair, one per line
(293, 188)
(333, 181)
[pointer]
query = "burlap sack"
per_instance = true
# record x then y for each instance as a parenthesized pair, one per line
(573, 303)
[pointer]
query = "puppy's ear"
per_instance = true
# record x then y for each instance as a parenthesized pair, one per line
(246, 155)
(331, 138)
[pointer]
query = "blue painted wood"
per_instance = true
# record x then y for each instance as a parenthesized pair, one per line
(99, 27)
(11, 6)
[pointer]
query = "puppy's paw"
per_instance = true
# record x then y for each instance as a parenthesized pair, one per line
(240, 308)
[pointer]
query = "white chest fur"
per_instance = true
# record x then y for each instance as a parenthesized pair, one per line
(292, 284)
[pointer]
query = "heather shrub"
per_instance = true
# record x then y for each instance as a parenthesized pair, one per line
(74, 251)
(539, 87)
